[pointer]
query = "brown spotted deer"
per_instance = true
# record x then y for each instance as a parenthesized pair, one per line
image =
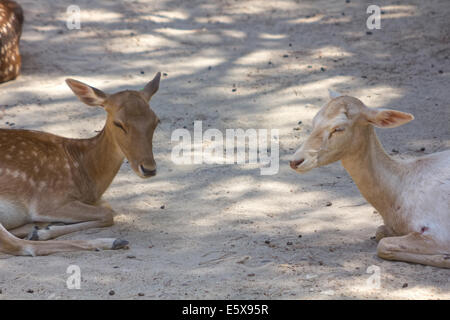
(47, 180)
(412, 196)
(11, 20)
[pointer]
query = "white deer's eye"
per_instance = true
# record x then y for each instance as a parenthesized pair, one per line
(334, 130)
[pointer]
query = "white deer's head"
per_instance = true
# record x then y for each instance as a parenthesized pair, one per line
(339, 129)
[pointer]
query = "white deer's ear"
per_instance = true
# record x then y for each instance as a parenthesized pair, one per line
(151, 87)
(87, 94)
(333, 94)
(385, 118)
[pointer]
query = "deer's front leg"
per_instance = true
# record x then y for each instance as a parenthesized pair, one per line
(26, 230)
(79, 216)
(415, 248)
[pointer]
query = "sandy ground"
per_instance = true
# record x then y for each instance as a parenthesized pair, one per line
(224, 229)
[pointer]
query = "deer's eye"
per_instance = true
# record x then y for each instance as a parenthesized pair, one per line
(119, 125)
(336, 129)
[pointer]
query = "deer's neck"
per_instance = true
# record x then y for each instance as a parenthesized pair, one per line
(101, 158)
(378, 176)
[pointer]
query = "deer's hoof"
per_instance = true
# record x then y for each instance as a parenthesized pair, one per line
(119, 244)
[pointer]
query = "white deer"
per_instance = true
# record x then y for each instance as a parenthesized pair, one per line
(412, 196)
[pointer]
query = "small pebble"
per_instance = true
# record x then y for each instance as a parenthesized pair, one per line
(140, 294)
(289, 243)
(328, 204)
(209, 68)
(270, 62)
(267, 242)
(422, 149)
(251, 275)
(300, 122)
(290, 44)
(299, 235)
(163, 206)
(142, 72)
(234, 89)
(395, 150)
(322, 69)
(111, 293)
(440, 71)
(369, 32)
(30, 291)
(285, 56)
(405, 285)
(165, 74)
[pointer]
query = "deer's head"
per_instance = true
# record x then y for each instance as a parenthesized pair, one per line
(339, 128)
(130, 121)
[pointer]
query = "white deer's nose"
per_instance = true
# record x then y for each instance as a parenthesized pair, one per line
(295, 163)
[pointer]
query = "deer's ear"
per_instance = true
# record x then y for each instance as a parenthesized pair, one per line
(385, 118)
(151, 87)
(87, 94)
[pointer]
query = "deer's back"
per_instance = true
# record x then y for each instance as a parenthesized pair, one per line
(33, 163)
(28, 145)
(11, 20)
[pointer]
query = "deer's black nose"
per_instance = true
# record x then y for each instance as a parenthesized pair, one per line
(147, 172)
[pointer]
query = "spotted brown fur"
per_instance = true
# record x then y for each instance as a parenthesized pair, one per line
(11, 21)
